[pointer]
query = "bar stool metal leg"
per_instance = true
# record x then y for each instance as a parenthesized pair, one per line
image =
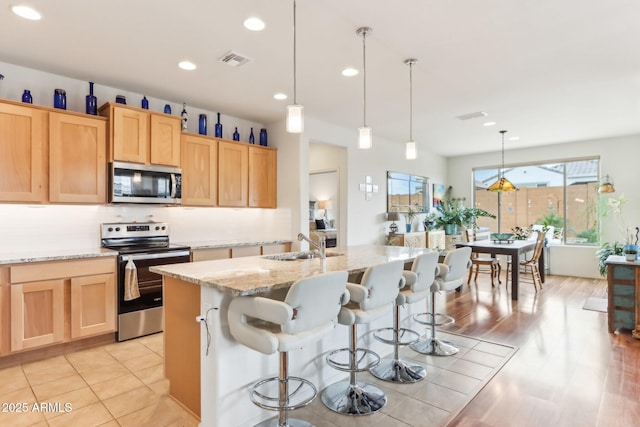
(431, 345)
(397, 370)
(353, 397)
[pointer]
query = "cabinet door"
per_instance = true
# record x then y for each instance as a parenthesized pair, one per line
(93, 305)
(37, 314)
(77, 159)
(199, 157)
(130, 135)
(22, 153)
(262, 177)
(5, 311)
(233, 174)
(165, 140)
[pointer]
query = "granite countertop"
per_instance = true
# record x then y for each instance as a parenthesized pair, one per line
(258, 274)
(53, 255)
(212, 244)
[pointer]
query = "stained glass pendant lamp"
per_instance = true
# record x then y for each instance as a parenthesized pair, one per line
(502, 184)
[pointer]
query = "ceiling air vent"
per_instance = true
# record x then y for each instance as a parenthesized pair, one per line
(472, 115)
(234, 59)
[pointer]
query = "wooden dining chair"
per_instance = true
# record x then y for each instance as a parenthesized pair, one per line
(480, 260)
(531, 264)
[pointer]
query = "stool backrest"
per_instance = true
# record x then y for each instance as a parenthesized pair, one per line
(426, 267)
(457, 261)
(383, 282)
(316, 301)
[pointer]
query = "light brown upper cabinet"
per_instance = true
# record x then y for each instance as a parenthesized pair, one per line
(77, 159)
(233, 174)
(141, 136)
(262, 177)
(199, 157)
(23, 153)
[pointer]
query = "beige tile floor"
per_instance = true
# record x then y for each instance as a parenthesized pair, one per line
(120, 384)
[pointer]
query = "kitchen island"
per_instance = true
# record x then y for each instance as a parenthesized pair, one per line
(209, 372)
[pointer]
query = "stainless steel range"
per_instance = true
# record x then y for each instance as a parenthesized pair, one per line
(146, 244)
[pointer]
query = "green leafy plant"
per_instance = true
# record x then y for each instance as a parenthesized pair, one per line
(453, 212)
(552, 219)
(604, 252)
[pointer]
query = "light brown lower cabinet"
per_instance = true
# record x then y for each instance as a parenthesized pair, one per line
(93, 305)
(57, 302)
(37, 314)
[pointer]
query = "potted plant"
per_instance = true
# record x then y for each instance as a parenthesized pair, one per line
(454, 215)
(409, 216)
(604, 252)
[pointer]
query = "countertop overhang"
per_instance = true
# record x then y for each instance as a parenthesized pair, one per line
(259, 274)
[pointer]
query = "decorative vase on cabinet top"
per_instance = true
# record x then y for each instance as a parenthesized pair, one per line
(218, 128)
(167, 109)
(60, 99)
(252, 139)
(202, 124)
(26, 97)
(263, 137)
(144, 103)
(185, 117)
(91, 102)
(236, 135)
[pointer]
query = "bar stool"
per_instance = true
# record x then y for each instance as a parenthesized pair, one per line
(450, 277)
(369, 300)
(309, 311)
(418, 280)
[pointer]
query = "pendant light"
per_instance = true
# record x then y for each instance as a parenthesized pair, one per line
(411, 152)
(606, 185)
(364, 132)
(295, 112)
(502, 184)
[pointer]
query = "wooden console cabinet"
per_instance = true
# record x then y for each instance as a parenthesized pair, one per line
(623, 307)
(411, 240)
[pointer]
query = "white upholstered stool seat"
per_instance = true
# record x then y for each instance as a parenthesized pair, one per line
(450, 277)
(370, 300)
(416, 287)
(308, 312)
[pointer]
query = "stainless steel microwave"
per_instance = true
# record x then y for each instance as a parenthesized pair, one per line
(138, 183)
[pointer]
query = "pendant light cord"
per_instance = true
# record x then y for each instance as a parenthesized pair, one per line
(364, 76)
(295, 101)
(411, 101)
(501, 174)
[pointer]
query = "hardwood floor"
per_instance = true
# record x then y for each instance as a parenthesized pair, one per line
(568, 371)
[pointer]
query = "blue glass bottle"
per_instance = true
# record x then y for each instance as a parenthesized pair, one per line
(144, 103)
(263, 137)
(252, 139)
(121, 99)
(26, 97)
(236, 135)
(218, 128)
(60, 99)
(92, 102)
(202, 124)
(167, 109)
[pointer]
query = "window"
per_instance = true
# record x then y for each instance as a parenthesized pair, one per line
(563, 195)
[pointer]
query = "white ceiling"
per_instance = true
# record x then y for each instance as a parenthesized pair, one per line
(548, 71)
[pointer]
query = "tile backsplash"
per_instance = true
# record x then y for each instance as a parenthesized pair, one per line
(44, 227)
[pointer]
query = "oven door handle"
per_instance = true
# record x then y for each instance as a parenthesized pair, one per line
(138, 257)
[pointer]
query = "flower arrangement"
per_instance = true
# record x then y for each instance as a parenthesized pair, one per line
(521, 233)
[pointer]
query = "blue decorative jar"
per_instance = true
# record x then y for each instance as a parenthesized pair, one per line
(202, 124)
(91, 102)
(236, 135)
(26, 97)
(167, 109)
(60, 99)
(218, 128)
(144, 103)
(121, 99)
(630, 252)
(263, 137)
(252, 139)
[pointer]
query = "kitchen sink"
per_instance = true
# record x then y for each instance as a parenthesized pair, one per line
(296, 256)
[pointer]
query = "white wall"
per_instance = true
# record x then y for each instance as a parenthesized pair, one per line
(618, 157)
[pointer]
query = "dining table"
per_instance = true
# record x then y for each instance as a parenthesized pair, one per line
(513, 248)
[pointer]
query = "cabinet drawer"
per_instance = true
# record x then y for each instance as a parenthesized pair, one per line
(61, 269)
(210, 254)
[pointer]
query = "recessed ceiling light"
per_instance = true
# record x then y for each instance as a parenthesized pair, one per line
(280, 96)
(489, 124)
(187, 65)
(26, 12)
(254, 24)
(350, 72)
(514, 138)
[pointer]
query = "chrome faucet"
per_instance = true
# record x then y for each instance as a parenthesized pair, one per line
(322, 247)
